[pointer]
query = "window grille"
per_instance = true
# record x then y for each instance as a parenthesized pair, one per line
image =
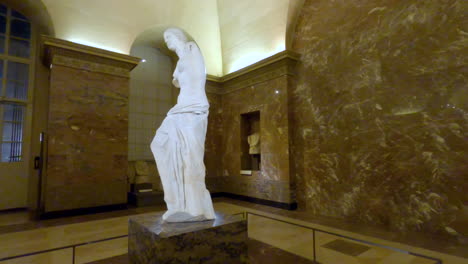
(15, 64)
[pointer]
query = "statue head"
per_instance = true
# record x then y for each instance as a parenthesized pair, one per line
(174, 38)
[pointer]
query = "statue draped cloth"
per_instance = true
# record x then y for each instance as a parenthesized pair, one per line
(178, 148)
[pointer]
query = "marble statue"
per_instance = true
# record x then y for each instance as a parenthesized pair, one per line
(254, 143)
(179, 144)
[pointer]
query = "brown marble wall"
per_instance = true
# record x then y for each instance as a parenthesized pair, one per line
(380, 112)
(274, 135)
(87, 129)
(214, 134)
(264, 89)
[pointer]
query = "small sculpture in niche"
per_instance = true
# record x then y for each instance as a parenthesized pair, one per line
(250, 142)
(179, 143)
(254, 143)
(142, 177)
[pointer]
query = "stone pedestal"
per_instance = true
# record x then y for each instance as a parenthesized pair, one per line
(223, 240)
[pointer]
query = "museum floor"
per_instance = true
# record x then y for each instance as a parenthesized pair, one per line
(275, 236)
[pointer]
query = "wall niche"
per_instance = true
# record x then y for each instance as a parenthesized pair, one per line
(250, 143)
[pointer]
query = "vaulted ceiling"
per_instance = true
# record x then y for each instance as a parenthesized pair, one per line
(232, 34)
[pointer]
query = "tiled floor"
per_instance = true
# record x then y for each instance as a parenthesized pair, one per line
(456, 247)
(290, 237)
(299, 240)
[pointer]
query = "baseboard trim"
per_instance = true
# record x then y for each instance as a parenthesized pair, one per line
(82, 211)
(114, 207)
(13, 210)
(287, 206)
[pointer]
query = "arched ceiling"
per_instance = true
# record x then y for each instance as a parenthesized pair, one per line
(232, 34)
(251, 31)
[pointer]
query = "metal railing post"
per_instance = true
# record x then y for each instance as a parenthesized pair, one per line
(313, 243)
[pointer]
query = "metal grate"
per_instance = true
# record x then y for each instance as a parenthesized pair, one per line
(12, 132)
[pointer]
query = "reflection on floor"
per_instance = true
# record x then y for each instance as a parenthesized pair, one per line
(110, 230)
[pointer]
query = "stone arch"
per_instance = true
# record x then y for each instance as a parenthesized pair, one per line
(154, 37)
(294, 11)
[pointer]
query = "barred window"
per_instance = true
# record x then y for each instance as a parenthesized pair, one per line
(15, 64)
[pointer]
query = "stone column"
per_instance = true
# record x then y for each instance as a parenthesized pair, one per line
(87, 130)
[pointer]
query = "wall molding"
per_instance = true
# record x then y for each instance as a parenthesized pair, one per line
(280, 64)
(70, 54)
(281, 205)
(83, 211)
(278, 191)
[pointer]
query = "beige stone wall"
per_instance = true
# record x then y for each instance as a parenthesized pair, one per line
(380, 113)
(151, 97)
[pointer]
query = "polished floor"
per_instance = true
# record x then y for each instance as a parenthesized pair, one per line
(102, 238)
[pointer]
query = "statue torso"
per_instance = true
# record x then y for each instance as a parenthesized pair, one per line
(191, 76)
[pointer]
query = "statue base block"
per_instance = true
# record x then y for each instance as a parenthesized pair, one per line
(223, 240)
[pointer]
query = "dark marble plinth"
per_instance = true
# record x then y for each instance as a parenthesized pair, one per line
(259, 253)
(223, 240)
(140, 199)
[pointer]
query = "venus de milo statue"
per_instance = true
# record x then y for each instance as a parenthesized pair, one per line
(179, 144)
